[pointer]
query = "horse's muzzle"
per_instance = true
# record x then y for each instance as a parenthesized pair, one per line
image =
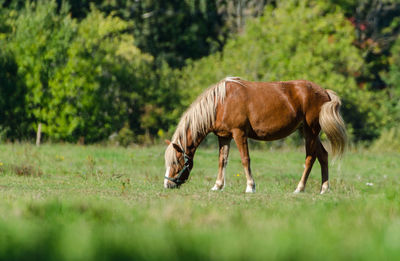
(170, 185)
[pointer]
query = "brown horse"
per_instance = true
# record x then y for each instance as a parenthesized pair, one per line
(239, 109)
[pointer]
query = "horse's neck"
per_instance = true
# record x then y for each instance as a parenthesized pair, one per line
(192, 145)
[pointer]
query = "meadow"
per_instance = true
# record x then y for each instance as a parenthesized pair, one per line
(71, 202)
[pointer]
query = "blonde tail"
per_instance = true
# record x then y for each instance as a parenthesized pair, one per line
(332, 124)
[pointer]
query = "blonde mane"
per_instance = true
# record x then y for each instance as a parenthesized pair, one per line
(199, 118)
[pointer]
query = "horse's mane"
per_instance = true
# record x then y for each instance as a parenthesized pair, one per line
(199, 117)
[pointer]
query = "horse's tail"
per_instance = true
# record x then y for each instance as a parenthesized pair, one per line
(332, 124)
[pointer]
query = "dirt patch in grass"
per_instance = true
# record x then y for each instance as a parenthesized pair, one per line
(26, 170)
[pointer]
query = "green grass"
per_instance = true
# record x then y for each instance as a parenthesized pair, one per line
(69, 202)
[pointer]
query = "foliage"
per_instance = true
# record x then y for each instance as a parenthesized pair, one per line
(176, 30)
(100, 81)
(83, 79)
(125, 136)
(173, 31)
(377, 26)
(39, 41)
(393, 76)
(85, 68)
(388, 141)
(13, 119)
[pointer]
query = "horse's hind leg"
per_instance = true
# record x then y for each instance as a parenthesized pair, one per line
(312, 142)
(322, 156)
(241, 141)
(224, 144)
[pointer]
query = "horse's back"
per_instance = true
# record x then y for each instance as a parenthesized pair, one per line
(270, 110)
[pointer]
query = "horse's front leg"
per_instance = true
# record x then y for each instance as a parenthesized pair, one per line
(224, 144)
(241, 141)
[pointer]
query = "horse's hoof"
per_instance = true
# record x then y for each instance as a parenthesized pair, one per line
(324, 188)
(250, 189)
(324, 191)
(298, 191)
(217, 188)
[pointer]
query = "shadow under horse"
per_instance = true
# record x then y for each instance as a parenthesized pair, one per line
(238, 109)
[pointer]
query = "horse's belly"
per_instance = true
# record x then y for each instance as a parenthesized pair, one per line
(271, 134)
(274, 126)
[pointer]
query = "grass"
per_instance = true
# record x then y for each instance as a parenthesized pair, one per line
(69, 202)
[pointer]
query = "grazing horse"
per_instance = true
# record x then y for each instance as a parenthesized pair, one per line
(239, 109)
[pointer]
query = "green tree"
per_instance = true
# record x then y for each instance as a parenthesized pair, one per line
(393, 79)
(39, 42)
(101, 84)
(13, 119)
(176, 30)
(377, 25)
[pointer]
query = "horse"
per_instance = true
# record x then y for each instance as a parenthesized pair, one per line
(238, 109)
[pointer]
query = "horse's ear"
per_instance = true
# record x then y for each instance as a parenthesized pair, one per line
(177, 147)
(167, 141)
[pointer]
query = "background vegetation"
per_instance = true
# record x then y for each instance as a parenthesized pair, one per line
(88, 70)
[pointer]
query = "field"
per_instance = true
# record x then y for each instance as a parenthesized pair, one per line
(70, 202)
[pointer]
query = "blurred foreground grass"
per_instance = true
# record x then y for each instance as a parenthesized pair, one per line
(69, 202)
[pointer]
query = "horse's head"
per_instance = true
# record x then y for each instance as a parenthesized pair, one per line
(178, 165)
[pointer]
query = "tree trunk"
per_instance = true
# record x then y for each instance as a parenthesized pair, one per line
(38, 134)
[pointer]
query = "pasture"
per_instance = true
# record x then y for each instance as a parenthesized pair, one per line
(70, 202)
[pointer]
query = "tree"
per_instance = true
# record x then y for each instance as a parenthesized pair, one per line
(235, 13)
(176, 30)
(377, 26)
(39, 41)
(13, 118)
(393, 79)
(102, 83)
